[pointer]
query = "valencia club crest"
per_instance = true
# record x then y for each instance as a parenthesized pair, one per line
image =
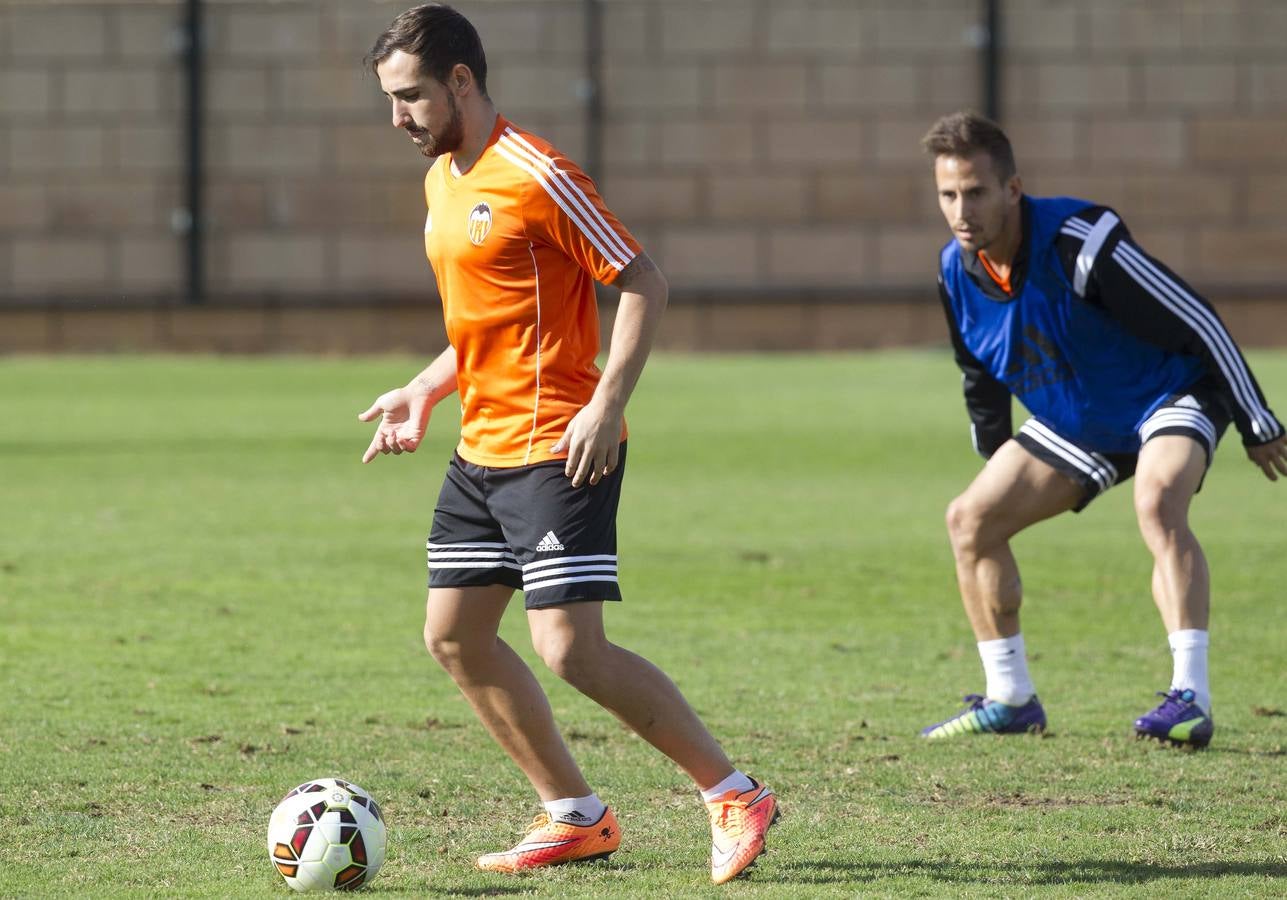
(480, 223)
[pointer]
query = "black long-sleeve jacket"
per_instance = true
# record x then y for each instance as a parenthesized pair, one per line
(1142, 295)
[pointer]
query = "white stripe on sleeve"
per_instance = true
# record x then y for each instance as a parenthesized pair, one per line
(1090, 249)
(1208, 328)
(573, 189)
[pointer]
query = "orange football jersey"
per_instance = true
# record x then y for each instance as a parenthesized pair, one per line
(516, 244)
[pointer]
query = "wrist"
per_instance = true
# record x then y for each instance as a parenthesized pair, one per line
(609, 408)
(419, 387)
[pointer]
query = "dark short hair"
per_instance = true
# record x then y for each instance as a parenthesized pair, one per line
(967, 133)
(437, 36)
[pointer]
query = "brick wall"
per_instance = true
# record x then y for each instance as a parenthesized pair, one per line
(765, 144)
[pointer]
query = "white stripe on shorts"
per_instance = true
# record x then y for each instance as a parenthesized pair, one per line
(1182, 417)
(564, 560)
(470, 550)
(490, 564)
(1093, 464)
(536, 586)
(591, 567)
(471, 555)
(550, 573)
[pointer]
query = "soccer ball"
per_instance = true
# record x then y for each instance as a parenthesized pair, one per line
(327, 835)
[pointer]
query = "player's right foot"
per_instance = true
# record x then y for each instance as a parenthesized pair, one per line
(984, 716)
(1178, 719)
(554, 842)
(738, 825)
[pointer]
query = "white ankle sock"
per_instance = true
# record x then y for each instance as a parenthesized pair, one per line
(738, 781)
(576, 810)
(1006, 667)
(1189, 655)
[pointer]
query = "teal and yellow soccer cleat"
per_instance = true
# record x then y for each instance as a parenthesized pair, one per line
(984, 716)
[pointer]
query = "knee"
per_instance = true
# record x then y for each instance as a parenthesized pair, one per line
(965, 525)
(445, 648)
(566, 656)
(1161, 513)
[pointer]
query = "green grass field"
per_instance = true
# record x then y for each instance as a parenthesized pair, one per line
(205, 599)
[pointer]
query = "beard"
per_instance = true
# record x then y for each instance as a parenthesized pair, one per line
(448, 139)
(982, 238)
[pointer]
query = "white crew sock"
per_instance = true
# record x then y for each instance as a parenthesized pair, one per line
(738, 781)
(576, 810)
(1189, 653)
(1006, 666)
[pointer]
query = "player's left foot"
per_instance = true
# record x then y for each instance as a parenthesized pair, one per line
(554, 842)
(738, 825)
(1178, 719)
(984, 716)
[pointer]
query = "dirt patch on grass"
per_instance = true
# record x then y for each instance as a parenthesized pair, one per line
(1020, 800)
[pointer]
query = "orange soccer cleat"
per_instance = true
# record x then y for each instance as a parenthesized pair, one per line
(738, 825)
(550, 843)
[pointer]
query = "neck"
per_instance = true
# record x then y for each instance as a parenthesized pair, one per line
(1005, 248)
(478, 128)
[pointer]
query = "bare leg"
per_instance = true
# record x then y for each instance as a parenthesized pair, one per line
(460, 632)
(572, 642)
(1014, 490)
(1169, 472)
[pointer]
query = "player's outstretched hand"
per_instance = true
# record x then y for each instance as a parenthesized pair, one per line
(404, 416)
(592, 442)
(1271, 457)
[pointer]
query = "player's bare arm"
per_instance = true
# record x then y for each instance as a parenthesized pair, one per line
(404, 411)
(1270, 457)
(593, 436)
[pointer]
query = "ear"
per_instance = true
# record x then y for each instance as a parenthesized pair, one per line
(1014, 188)
(461, 80)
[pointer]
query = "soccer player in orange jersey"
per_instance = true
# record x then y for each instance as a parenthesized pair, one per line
(516, 235)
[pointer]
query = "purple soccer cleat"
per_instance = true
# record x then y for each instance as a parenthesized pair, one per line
(984, 716)
(1178, 719)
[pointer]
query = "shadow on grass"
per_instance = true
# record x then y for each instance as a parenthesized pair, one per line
(542, 880)
(1086, 871)
(1245, 751)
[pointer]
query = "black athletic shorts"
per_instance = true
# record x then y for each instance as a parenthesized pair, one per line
(1200, 413)
(529, 528)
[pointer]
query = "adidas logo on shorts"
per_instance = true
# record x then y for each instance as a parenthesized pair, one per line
(548, 543)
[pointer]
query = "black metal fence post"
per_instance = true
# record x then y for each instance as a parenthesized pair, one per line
(592, 89)
(991, 62)
(190, 220)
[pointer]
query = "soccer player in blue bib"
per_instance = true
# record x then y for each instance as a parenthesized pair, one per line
(1124, 371)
